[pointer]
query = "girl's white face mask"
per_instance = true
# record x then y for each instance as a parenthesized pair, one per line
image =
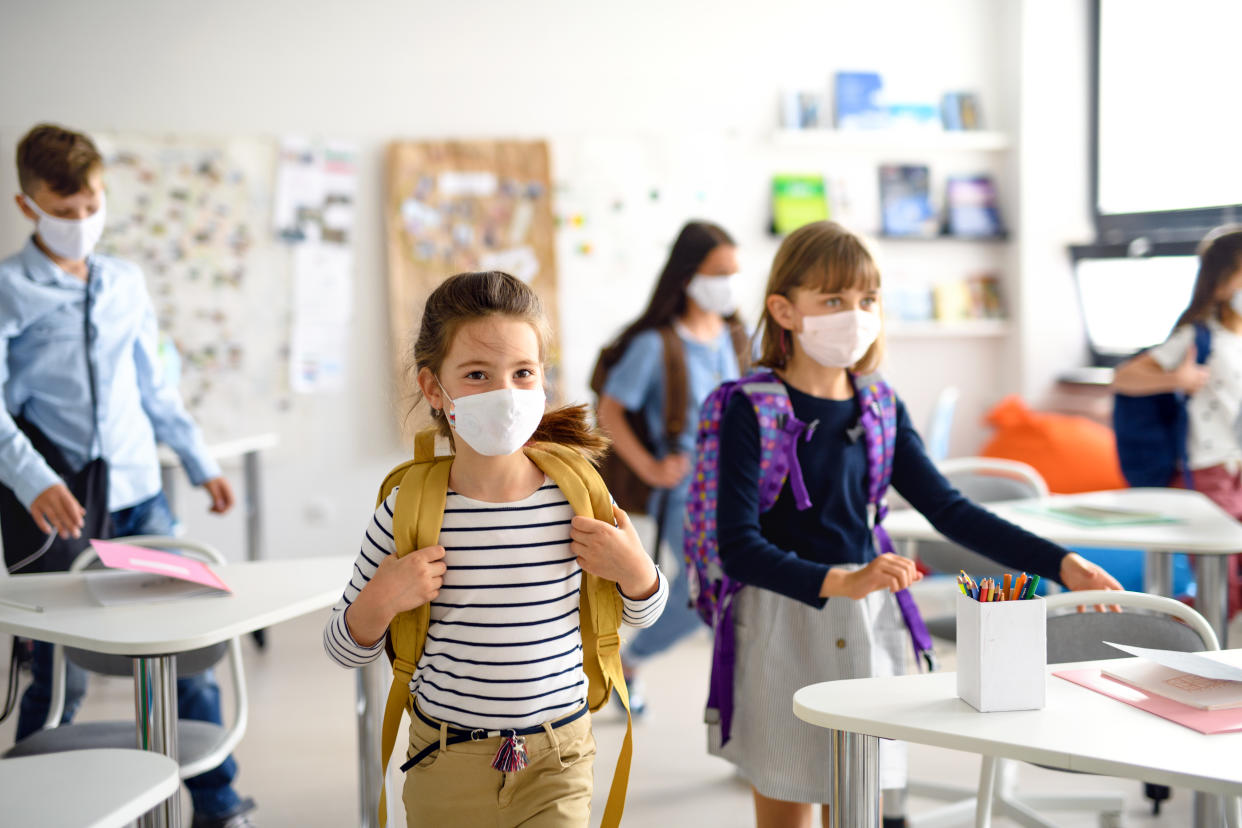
(496, 423)
(71, 239)
(1235, 302)
(838, 340)
(713, 294)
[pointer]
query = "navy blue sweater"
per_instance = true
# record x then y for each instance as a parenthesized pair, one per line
(790, 551)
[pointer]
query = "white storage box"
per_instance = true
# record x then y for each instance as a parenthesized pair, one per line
(1002, 653)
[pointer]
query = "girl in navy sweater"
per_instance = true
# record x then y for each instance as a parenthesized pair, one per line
(821, 605)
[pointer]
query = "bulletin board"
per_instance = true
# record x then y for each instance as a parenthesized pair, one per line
(195, 215)
(455, 206)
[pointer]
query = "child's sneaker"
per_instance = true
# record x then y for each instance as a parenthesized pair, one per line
(238, 819)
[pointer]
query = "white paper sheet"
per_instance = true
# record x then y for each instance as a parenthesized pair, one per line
(1225, 665)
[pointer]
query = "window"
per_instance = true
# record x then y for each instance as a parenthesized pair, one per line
(1166, 154)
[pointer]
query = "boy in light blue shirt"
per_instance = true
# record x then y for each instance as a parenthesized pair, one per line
(79, 366)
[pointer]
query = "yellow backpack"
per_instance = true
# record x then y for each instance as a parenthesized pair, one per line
(417, 516)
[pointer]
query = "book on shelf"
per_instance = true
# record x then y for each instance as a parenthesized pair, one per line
(858, 104)
(971, 298)
(905, 201)
(959, 111)
(971, 209)
(797, 200)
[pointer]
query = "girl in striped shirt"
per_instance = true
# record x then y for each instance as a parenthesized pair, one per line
(504, 646)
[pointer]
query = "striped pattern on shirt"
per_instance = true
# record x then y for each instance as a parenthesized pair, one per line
(504, 647)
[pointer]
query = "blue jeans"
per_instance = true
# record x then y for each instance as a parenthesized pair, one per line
(198, 696)
(678, 619)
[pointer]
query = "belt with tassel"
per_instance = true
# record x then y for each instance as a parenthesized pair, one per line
(512, 754)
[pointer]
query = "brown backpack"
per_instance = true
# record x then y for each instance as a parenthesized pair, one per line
(627, 488)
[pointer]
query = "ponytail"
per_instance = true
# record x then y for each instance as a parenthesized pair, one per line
(570, 426)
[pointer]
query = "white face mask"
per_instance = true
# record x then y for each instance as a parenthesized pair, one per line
(71, 239)
(713, 294)
(1235, 302)
(498, 422)
(838, 340)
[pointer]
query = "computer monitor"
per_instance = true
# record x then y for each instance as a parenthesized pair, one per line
(1131, 303)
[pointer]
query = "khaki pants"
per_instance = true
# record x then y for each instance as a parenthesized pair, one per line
(457, 785)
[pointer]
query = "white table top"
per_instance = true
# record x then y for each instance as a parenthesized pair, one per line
(226, 449)
(85, 788)
(1078, 729)
(1205, 529)
(264, 593)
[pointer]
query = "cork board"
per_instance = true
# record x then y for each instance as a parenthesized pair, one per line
(455, 206)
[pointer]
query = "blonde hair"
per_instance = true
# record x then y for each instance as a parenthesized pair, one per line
(821, 256)
(467, 297)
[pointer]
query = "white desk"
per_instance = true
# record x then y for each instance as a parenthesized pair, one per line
(264, 593)
(1205, 531)
(1078, 729)
(85, 788)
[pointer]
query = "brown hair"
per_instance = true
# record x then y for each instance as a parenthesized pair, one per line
(60, 158)
(467, 297)
(1220, 257)
(820, 256)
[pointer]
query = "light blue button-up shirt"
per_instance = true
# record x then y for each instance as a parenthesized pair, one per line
(44, 375)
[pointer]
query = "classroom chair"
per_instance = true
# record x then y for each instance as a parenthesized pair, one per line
(940, 424)
(983, 480)
(1146, 621)
(201, 746)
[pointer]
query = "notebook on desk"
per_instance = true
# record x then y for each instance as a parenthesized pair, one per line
(1084, 514)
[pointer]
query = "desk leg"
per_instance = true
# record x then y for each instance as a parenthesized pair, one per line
(155, 706)
(254, 519)
(855, 780)
(1158, 573)
(1212, 592)
(370, 713)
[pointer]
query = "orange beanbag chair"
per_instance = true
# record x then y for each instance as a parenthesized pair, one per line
(1072, 453)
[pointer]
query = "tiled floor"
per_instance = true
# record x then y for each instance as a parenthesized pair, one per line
(298, 758)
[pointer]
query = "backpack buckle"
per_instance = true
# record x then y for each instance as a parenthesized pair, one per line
(608, 643)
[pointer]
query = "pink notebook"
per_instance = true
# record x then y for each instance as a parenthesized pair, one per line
(1204, 721)
(155, 561)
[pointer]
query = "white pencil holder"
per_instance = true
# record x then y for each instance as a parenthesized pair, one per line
(1002, 653)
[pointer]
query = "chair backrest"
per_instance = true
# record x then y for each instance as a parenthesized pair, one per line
(188, 663)
(1146, 621)
(940, 424)
(983, 480)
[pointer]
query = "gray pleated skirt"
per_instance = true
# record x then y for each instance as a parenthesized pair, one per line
(783, 645)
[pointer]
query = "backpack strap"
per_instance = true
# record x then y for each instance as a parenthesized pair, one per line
(878, 417)
(601, 609)
(420, 502)
(676, 393)
(1203, 350)
(779, 431)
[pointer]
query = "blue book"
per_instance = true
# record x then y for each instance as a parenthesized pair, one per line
(905, 201)
(858, 101)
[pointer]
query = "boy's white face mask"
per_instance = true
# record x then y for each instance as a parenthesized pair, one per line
(496, 423)
(71, 239)
(838, 340)
(713, 294)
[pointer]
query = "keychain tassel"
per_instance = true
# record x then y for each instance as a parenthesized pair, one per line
(512, 755)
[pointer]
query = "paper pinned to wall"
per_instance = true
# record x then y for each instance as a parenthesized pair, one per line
(193, 213)
(316, 186)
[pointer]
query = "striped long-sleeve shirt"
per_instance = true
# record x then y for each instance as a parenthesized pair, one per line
(504, 647)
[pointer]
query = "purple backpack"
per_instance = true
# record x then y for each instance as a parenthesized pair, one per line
(711, 590)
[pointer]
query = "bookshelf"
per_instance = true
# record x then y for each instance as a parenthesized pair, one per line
(963, 329)
(913, 141)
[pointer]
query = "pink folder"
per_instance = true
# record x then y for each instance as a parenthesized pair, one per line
(1204, 721)
(140, 559)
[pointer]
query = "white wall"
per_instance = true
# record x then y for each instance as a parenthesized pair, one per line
(374, 70)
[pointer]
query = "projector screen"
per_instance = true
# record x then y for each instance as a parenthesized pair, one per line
(1167, 118)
